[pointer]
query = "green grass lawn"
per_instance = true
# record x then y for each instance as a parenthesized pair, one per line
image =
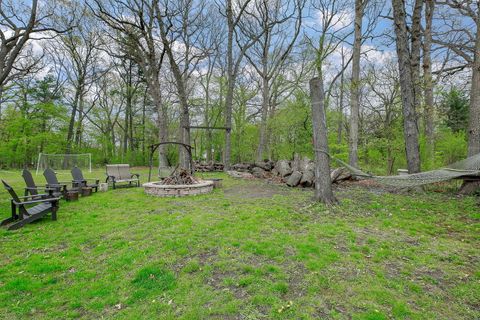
(250, 250)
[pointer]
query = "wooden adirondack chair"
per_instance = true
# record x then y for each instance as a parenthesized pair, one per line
(121, 173)
(42, 205)
(79, 181)
(32, 188)
(53, 183)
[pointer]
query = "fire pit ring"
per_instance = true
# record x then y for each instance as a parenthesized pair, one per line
(169, 190)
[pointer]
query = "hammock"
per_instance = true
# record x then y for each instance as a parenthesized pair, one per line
(469, 167)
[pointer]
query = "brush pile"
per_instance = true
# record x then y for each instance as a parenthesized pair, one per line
(180, 177)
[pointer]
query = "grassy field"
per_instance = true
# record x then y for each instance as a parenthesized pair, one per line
(250, 250)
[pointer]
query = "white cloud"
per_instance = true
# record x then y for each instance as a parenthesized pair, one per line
(337, 20)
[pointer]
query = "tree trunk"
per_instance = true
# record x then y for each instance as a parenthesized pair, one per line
(78, 134)
(230, 88)
(154, 91)
(128, 106)
(355, 85)
(428, 81)
(340, 105)
(263, 121)
(71, 124)
(323, 183)
(474, 113)
(474, 120)
(180, 83)
(410, 127)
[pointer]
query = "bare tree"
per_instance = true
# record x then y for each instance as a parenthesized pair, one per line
(132, 25)
(18, 23)
(79, 59)
(184, 23)
(465, 42)
(463, 38)
(382, 102)
(281, 23)
(233, 18)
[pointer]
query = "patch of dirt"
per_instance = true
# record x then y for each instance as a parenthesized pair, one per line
(430, 279)
(259, 189)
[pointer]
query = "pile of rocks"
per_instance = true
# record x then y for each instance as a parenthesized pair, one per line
(299, 172)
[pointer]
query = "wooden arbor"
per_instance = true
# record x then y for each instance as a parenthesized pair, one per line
(155, 146)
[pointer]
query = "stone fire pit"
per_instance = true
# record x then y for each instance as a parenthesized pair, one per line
(170, 190)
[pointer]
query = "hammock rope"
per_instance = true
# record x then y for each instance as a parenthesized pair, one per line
(467, 167)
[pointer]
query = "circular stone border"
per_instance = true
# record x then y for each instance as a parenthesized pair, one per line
(181, 190)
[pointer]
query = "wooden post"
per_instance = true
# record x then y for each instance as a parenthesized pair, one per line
(323, 183)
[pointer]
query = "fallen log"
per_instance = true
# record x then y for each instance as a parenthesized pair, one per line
(294, 179)
(340, 174)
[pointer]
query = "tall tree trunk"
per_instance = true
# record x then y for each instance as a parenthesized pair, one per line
(263, 120)
(181, 86)
(144, 111)
(474, 112)
(323, 183)
(154, 91)
(265, 97)
(428, 80)
(410, 126)
(71, 124)
(474, 120)
(230, 87)
(207, 114)
(81, 107)
(416, 46)
(355, 85)
(340, 104)
(128, 106)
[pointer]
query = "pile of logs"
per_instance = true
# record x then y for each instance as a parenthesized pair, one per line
(180, 177)
(296, 173)
(208, 166)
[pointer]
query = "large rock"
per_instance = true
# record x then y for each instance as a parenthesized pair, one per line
(265, 165)
(243, 167)
(258, 172)
(283, 168)
(296, 162)
(307, 178)
(294, 179)
(305, 164)
(275, 172)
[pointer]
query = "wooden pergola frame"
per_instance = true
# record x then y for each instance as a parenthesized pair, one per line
(155, 146)
(209, 128)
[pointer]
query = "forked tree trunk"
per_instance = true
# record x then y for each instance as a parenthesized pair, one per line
(323, 183)
(181, 86)
(410, 127)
